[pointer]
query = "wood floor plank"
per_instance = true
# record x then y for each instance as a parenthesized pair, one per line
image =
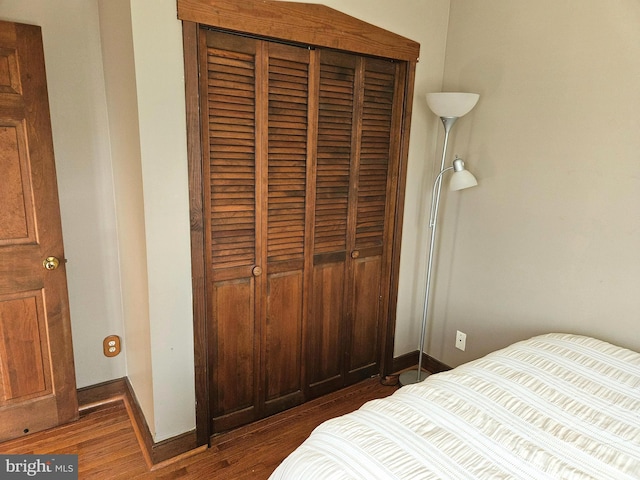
(107, 447)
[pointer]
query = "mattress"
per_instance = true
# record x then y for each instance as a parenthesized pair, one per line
(556, 406)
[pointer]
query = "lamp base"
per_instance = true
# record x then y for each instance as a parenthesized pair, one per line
(411, 376)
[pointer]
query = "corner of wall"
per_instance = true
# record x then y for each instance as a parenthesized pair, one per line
(120, 84)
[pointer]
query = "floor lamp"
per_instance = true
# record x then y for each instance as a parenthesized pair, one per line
(449, 106)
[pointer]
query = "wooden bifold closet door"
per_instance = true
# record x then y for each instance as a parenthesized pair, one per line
(300, 159)
(354, 200)
(255, 104)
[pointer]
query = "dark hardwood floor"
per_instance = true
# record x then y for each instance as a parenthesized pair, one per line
(107, 446)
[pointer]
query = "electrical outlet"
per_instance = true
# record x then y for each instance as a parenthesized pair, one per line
(111, 346)
(461, 340)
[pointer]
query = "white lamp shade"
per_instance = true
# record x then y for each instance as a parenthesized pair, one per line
(452, 104)
(461, 180)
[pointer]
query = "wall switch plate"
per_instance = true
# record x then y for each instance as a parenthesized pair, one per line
(111, 346)
(461, 340)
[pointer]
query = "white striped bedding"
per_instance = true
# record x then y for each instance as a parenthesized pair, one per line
(556, 406)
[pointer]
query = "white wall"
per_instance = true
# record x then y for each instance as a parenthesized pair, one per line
(159, 67)
(71, 37)
(122, 104)
(549, 239)
(142, 41)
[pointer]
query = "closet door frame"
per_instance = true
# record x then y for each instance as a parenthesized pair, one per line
(314, 25)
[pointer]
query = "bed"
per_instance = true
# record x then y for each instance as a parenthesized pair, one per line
(556, 406)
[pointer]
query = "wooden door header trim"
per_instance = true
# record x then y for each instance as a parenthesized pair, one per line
(309, 24)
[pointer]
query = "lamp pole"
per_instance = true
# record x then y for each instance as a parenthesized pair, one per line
(449, 106)
(411, 376)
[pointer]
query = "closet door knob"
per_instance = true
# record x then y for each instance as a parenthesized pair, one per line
(257, 271)
(355, 254)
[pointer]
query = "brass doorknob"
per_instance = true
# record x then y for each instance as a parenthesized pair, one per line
(257, 271)
(51, 263)
(355, 254)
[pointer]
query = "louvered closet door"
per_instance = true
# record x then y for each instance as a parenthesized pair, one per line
(255, 108)
(284, 223)
(370, 243)
(327, 327)
(352, 222)
(231, 174)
